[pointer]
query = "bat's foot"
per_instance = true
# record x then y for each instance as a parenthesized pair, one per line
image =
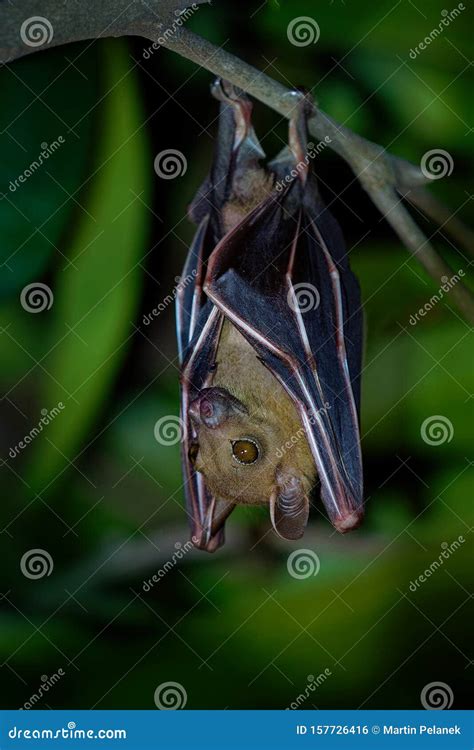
(244, 134)
(224, 91)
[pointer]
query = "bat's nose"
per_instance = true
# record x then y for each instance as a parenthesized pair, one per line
(213, 406)
(206, 410)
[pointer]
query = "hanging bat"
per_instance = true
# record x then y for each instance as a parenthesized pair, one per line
(269, 338)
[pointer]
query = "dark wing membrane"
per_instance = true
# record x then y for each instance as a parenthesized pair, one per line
(190, 297)
(195, 375)
(198, 328)
(275, 277)
(328, 233)
(199, 324)
(198, 321)
(237, 149)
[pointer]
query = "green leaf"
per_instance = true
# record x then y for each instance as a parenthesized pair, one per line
(96, 294)
(46, 126)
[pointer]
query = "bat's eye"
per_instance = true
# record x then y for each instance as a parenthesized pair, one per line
(193, 452)
(245, 451)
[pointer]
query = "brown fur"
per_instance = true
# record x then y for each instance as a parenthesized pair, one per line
(272, 421)
(250, 187)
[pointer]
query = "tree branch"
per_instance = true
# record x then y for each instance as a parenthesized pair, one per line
(33, 25)
(441, 215)
(381, 174)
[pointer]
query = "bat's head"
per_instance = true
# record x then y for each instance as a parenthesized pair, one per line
(254, 453)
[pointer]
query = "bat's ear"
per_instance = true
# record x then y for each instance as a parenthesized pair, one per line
(289, 506)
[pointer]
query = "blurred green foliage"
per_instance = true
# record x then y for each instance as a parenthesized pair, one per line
(105, 499)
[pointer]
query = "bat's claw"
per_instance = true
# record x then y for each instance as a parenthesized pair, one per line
(225, 91)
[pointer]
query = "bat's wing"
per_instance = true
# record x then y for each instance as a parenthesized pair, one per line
(283, 279)
(329, 235)
(237, 150)
(196, 374)
(199, 322)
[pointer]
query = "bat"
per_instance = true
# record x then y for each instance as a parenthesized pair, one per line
(269, 339)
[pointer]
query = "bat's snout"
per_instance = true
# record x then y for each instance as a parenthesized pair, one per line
(214, 406)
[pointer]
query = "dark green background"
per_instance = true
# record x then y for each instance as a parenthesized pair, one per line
(99, 493)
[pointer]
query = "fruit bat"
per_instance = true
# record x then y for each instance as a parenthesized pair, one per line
(269, 338)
